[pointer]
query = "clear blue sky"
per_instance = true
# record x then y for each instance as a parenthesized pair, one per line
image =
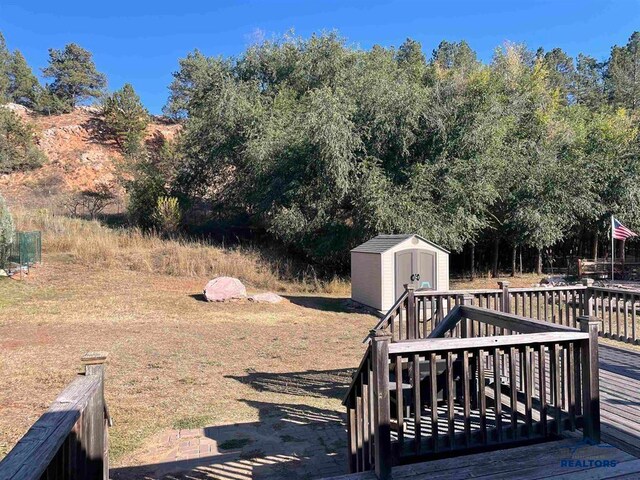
(140, 41)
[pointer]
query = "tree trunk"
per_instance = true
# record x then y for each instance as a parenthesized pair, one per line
(521, 261)
(539, 262)
(595, 246)
(514, 256)
(473, 261)
(494, 262)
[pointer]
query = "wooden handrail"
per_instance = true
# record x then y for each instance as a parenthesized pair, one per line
(69, 440)
(384, 321)
(457, 344)
(510, 321)
(358, 371)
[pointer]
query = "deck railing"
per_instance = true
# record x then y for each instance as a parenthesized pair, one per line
(418, 312)
(70, 440)
(460, 390)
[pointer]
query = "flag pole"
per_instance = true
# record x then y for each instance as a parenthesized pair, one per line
(612, 248)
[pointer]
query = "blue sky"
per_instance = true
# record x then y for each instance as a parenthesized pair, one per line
(140, 42)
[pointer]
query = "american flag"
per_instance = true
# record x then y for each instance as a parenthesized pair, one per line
(620, 232)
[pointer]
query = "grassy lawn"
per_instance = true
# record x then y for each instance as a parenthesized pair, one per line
(174, 360)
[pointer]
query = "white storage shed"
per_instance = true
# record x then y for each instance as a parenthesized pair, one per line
(382, 266)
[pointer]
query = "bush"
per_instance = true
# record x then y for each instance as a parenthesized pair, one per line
(168, 215)
(91, 202)
(17, 149)
(48, 103)
(144, 185)
(6, 232)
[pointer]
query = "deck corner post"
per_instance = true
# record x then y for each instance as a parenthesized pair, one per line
(382, 407)
(590, 378)
(506, 300)
(97, 448)
(587, 306)
(412, 328)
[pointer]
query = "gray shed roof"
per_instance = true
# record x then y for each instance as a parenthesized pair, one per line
(382, 243)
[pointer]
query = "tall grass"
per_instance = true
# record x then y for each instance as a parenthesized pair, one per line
(90, 243)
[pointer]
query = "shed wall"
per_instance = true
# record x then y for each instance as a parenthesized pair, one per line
(366, 279)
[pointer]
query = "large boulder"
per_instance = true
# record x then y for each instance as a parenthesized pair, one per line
(268, 297)
(221, 289)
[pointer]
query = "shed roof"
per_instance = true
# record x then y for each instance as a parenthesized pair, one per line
(382, 243)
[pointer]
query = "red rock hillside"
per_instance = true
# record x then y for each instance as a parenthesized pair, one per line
(80, 155)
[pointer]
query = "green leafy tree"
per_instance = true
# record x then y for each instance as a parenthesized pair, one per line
(24, 87)
(17, 147)
(126, 116)
(322, 145)
(75, 78)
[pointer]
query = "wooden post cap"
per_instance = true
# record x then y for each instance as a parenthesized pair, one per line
(503, 283)
(587, 282)
(409, 286)
(586, 322)
(379, 334)
(94, 358)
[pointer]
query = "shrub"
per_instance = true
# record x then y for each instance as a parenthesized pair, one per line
(17, 148)
(167, 214)
(91, 201)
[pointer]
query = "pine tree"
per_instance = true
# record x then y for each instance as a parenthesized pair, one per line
(74, 74)
(5, 59)
(127, 117)
(623, 74)
(23, 86)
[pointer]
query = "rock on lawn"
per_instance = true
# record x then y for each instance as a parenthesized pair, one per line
(221, 289)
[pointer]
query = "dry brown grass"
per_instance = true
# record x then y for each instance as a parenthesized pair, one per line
(92, 244)
(173, 360)
(525, 280)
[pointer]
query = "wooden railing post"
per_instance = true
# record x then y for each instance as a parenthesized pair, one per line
(506, 301)
(587, 304)
(412, 329)
(465, 323)
(94, 438)
(382, 408)
(590, 379)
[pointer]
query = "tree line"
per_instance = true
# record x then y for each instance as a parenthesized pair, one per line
(323, 145)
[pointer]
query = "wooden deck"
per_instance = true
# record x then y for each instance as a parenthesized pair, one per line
(569, 459)
(620, 398)
(620, 417)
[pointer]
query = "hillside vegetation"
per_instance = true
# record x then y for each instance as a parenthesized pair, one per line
(317, 145)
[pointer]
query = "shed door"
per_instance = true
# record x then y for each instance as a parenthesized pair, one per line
(404, 270)
(426, 269)
(416, 267)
